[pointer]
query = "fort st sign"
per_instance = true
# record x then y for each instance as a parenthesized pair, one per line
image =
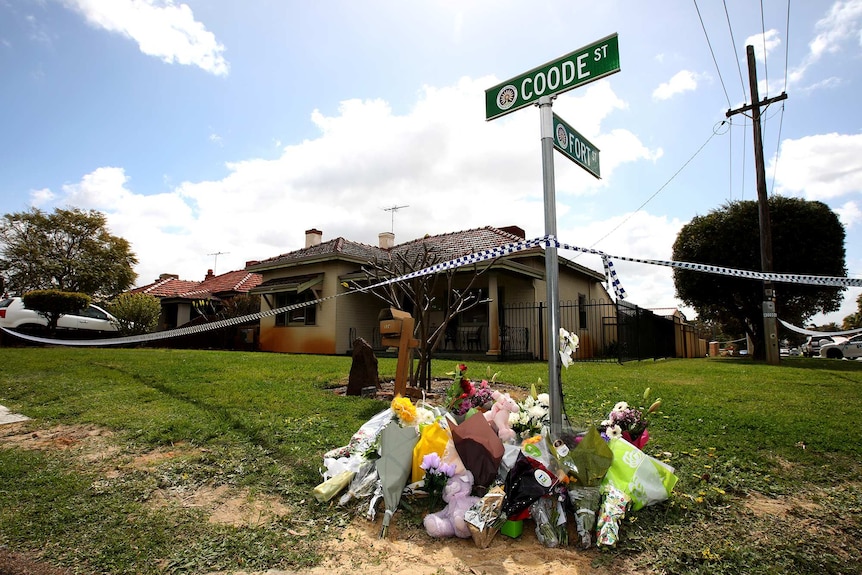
(575, 69)
(577, 148)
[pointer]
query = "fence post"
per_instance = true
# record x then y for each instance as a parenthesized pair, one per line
(541, 331)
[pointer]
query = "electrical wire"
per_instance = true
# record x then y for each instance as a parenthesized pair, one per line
(649, 199)
(763, 39)
(777, 151)
(708, 43)
(787, 46)
(733, 48)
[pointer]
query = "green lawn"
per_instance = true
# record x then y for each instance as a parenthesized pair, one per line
(737, 432)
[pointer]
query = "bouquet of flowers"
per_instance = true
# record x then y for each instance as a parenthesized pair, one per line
(629, 422)
(463, 395)
(533, 416)
(437, 474)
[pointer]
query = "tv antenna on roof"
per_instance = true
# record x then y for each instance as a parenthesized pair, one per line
(394, 209)
(215, 259)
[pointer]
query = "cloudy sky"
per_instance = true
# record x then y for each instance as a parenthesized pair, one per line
(228, 127)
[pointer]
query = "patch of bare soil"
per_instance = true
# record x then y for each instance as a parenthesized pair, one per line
(226, 505)
(409, 551)
(25, 564)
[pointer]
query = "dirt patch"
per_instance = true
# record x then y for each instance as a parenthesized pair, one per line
(26, 564)
(409, 551)
(225, 505)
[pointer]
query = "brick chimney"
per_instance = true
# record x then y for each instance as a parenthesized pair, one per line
(210, 275)
(387, 240)
(313, 237)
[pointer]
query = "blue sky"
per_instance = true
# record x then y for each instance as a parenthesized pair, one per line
(229, 127)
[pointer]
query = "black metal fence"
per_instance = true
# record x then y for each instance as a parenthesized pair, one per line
(607, 331)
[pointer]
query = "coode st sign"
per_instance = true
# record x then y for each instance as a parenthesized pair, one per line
(577, 68)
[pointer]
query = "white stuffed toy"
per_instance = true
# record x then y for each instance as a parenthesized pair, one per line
(498, 417)
(450, 521)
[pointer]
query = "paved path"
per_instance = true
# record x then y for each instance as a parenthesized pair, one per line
(7, 416)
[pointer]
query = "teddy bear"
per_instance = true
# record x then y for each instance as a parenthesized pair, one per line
(498, 417)
(450, 520)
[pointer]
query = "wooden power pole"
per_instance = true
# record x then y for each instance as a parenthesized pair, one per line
(770, 322)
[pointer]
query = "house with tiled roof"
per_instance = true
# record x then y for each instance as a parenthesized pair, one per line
(183, 300)
(328, 270)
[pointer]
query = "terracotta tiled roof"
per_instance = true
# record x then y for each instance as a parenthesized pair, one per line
(236, 281)
(446, 247)
(226, 284)
(338, 248)
(167, 287)
(455, 244)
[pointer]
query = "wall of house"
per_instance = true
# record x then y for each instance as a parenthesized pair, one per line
(317, 339)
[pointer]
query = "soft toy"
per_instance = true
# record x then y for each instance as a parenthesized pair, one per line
(498, 417)
(450, 520)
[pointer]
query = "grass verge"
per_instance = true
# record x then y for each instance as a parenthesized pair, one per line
(768, 458)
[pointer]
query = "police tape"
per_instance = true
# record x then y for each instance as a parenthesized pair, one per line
(465, 260)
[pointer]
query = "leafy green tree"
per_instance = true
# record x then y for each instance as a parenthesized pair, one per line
(53, 304)
(807, 238)
(136, 313)
(68, 250)
(854, 320)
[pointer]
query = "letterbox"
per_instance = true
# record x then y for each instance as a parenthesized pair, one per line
(391, 323)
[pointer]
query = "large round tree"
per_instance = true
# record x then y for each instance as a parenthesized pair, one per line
(807, 238)
(69, 250)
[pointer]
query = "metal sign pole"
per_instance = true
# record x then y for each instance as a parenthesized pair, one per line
(552, 270)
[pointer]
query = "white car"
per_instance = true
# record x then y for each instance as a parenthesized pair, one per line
(90, 321)
(850, 349)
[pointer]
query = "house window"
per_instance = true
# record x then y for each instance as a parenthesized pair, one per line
(582, 311)
(305, 315)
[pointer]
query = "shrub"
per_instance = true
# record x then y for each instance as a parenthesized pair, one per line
(136, 313)
(53, 304)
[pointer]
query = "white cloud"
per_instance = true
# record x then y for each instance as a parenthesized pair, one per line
(161, 28)
(454, 170)
(849, 214)
(768, 41)
(682, 81)
(842, 22)
(820, 167)
(638, 235)
(39, 198)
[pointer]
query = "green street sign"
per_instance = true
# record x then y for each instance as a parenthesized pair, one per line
(577, 68)
(576, 147)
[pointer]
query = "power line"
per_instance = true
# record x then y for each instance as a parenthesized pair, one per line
(708, 43)
(733, 48)
(787, 46)
(649, 199)
(763, 39)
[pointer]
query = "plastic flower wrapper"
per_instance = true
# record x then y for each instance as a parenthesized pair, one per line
(527, 481)
(485, 517)
(463, 395)
(480, 449)
(550, 517)
(589, 461)
(332, 486)
(394, 464)
(363, 483)
(612, 511)
(585, 501)
(644, 479)
(433, 438)
(360, 448)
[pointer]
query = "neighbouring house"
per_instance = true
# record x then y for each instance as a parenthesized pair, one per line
(510, 325)
(184, 301)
